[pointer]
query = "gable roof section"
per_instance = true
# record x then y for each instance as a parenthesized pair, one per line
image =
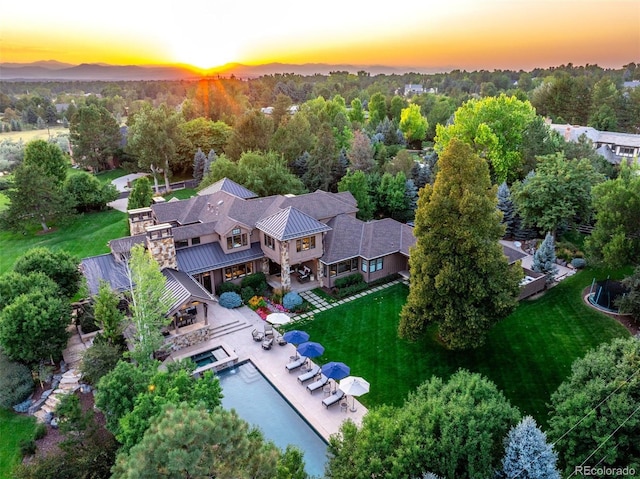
(193, 230)
(124, 245)
(104, 267)
(290, 223)
(209, 256)
(512, 254)
(320, 204)
(351, 237)
(229, 186)
(182, 288)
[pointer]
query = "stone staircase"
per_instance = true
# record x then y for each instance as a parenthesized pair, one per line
(45, 407)
(232, 326)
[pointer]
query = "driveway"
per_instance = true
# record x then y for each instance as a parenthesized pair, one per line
(121, 184)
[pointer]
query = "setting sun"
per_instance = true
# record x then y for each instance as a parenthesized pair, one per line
(202, 53)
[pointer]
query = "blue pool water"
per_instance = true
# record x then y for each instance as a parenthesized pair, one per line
(247, 391)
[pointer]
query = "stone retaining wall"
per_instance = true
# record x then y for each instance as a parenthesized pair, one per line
(176, 343)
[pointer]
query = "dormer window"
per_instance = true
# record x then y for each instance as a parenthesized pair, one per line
(237, 239)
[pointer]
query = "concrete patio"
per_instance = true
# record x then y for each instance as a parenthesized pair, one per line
(235, 327)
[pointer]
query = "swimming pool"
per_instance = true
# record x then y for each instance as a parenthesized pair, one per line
(247, 391)
(211, 356)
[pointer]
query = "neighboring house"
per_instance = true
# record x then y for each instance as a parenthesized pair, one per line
(413, 89)
(614, 147)
(227, 232)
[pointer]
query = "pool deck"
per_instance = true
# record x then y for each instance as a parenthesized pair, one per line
(272, 365)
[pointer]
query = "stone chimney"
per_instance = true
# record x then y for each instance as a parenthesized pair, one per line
(160, 244)
(139, 220)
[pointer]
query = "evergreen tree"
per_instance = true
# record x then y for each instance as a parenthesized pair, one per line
(199, 161)
(544, 259)
(460, 278)
(527, 453)
(211, 158)
(141, 195)
(508, 209)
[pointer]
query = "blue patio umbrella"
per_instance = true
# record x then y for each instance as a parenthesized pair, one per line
(310, 349)
(295, 336)
(336, 370)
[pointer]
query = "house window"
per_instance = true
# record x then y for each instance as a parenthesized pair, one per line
(304, 244)
(269, 242)
(375, 265)
(182, 244)
(344, 267)
(237, 239)
(195, 241)
(237, 271)
(365, 266)
(625, 151)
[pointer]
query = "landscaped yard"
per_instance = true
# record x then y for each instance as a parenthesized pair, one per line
(13, 428)
(527, 355)
(85, 235)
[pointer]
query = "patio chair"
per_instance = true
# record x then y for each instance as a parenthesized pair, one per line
(333, 399)
(314, 386)
(267, 343)
(309, 374)
(281, 341)
(257, 335)
(296, 363)
(268, 330)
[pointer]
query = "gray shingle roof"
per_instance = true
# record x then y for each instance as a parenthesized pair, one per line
(124, 245)
(193, 231)
(209, 256)
(512, 254)
(104, 267)
(231, 187)
(290, 223)
(183, 288)
(351, 237)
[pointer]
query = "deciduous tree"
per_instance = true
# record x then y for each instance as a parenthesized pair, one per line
(594, 413)
(49, 157)
(141, 194)
(460, 278)
(88, 193)
(33, 327)
(454, 429)
(557, 194)
(95, 136)
(360, 154)
(251, 133)
(615, 239)
(413, 125)
(60, 266)
(494, 127)
(357, 184)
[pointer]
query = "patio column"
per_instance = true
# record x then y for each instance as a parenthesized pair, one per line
(285, 277)
(265, 266)
(320, 273)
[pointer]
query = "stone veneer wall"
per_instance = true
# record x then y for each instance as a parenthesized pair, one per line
(163, 251)
(138, 227)
(285, 276)
(176, 343)
(320, 273)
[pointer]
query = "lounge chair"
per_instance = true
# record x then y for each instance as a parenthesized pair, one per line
(281, 341)
(267, 343)
(314, 386)
(333, 399)
(296, 363)
(309, 375)
(268, 330)
(257, 335)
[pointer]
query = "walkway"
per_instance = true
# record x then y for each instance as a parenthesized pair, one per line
(321, 304)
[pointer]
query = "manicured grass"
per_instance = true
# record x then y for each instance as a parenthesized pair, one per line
(13, 428)
(107, 176)
(84, 235)
(28, 135)
(183, 194)
(527, 355)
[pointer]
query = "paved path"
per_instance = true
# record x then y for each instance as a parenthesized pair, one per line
(121, 184)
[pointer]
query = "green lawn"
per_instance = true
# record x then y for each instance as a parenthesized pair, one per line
(183, 194)
(13, 428)
(84, 235)
(527, 355)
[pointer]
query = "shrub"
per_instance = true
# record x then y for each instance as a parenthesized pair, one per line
(352, 279)
(291, 301)
(230, 300)
(40, 432)
(578, 263)
(257, 281)
(256, 302)
(86, 318)
(247, 293)
(227, 287)
(276, 296)
(27, 447)
(16, 382)
(98, 360)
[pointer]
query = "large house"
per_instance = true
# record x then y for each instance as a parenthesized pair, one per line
(613, 146)
(227, 232)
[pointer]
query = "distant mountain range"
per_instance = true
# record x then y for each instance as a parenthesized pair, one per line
(53, 70)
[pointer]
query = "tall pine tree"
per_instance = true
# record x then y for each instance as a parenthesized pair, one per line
(460, 278)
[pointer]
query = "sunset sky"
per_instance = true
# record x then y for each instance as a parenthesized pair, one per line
(423, 34)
